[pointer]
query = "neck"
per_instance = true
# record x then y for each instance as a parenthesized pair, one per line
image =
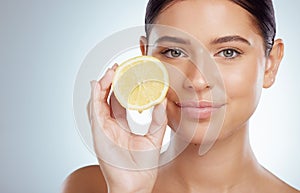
(221, 166)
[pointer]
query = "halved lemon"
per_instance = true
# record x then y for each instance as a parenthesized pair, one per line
(140, 83)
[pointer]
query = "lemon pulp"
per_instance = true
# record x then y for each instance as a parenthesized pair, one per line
(140, 83)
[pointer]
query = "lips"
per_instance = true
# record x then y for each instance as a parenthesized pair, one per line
(198, 109)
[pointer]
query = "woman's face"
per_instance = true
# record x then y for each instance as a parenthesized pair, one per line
(232, 39)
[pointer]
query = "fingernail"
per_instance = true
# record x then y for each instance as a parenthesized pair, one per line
(115, 66)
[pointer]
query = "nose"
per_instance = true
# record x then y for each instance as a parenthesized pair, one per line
(196, 81)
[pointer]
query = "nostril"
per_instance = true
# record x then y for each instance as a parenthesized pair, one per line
(196, 84)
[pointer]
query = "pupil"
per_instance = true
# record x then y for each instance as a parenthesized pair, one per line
(228, 53)
(175, 53)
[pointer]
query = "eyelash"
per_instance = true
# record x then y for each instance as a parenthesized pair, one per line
(234, 52)
(168, 53)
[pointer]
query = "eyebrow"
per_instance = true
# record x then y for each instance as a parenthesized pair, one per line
(172, 39)
(226, 39)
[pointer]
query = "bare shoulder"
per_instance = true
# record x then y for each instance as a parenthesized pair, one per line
(283, 188)
(272, 183)
(289, 189)
(86, 179)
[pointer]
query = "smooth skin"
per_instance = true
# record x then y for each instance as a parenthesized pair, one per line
(230, 166)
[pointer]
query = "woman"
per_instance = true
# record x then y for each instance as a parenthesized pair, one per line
(239, 35)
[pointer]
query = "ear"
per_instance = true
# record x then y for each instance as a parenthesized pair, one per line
(143, 45)
(273, 62)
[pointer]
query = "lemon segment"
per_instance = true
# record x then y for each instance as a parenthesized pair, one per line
(140, 83)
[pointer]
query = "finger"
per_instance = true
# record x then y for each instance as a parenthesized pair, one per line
(115, 66)
(95, 103)
(100, 93)
(118, 112)
(89, 106)
(159, 122)
(88, 110)
(105, 84)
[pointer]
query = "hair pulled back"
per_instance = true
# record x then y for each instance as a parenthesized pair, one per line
(261, 10)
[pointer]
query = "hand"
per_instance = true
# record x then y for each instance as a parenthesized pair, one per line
(128, 161)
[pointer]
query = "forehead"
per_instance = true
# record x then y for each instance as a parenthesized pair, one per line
(206, 19)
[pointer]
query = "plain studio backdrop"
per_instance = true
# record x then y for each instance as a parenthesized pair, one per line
(42, 45)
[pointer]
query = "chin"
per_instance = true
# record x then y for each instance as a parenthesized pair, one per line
(191, 131)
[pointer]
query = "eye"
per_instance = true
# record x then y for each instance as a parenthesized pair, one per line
(173, 53)
(229, 53)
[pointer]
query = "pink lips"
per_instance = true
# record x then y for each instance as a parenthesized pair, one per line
(198, 109)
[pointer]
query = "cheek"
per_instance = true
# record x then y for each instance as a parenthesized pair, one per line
(245, 82)
(243, 85)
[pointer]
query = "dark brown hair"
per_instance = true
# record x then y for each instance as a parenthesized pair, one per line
(261, 10)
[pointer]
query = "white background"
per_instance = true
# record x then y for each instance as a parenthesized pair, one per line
(42, 44)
